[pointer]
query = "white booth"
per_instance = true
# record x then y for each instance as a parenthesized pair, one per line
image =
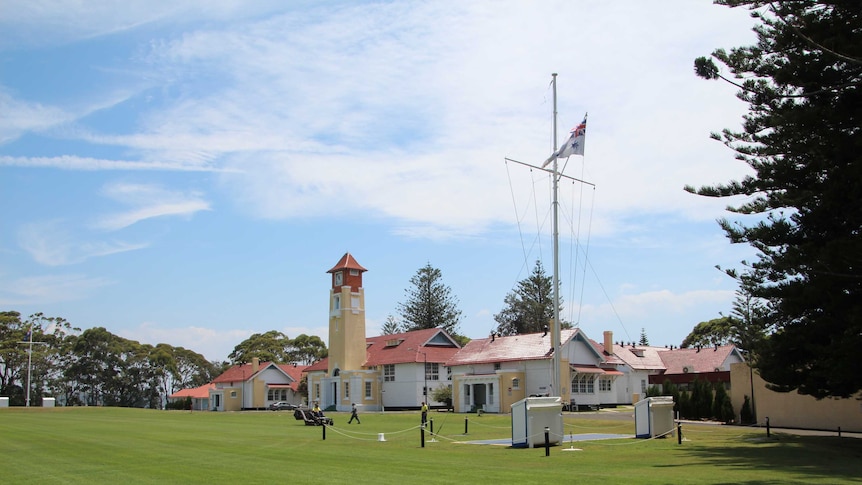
(654, 417)
(530, 417)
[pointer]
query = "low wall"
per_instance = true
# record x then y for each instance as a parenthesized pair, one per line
(790, 409)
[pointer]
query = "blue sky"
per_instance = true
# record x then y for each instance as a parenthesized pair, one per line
(186, 172)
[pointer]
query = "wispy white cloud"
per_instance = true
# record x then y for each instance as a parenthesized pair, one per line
(413, 118)
(50, 22)
(20, 116)
(675, 313)
(49, 289)
(148, 202)
(72, 162)
(57, 243)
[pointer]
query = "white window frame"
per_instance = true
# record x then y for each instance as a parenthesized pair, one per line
(388, 372)
(432, 371)
(605, 384)
(583, 384)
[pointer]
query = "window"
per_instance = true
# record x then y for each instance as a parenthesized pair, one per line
(583, 384)
(432, 371)
(643, 387)
(233, 394)
(338, 278)
(346, 390)
(276, 395)
(605, 384)
(389, 372)
(354, 272)
(336, 302)
(448, 373)
(317, 391)
(516, 383)
(496, 366)
(367, 389)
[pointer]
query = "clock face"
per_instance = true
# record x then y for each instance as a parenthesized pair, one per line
(338, 279)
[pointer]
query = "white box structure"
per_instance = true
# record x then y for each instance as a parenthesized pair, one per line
(654, 417)
(530, 417)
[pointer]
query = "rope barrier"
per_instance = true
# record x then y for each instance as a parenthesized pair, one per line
(489, 426)
(354, 434)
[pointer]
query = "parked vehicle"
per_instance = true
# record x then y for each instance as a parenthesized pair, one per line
(281, 405)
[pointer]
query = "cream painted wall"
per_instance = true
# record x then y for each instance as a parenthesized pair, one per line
(792, 410)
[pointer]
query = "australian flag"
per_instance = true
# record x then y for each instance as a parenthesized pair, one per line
(573, 146)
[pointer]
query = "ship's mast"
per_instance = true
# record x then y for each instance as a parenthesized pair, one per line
(555, 324)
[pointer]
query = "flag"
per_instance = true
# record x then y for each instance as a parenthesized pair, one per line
(573, 146)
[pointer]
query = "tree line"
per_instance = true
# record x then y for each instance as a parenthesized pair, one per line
(94, 367)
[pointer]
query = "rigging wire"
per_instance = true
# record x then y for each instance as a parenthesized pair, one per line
(515, 206)
(586, 256)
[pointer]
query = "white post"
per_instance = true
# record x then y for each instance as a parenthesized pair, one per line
(555, 330)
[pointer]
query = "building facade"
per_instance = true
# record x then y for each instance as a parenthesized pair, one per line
(397, 371)
(256, 385)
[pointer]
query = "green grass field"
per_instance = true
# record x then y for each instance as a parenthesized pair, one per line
(128, 446)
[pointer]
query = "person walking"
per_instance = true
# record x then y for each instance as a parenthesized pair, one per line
(424, 413)
(354, 415)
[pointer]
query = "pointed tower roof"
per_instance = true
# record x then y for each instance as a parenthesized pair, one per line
(347, 262)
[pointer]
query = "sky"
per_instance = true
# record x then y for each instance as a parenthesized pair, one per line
(187, 172)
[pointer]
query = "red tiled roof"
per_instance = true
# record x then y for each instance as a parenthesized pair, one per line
(346, 262)
(243, 372)
(294, 371)
(531, 346)
(409, 348)
(610, 358)
(707, 359)
(587, 369)
(320, 365)
(201, 392)
(651, 359)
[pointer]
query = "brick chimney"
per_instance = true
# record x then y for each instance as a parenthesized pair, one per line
(609, 342)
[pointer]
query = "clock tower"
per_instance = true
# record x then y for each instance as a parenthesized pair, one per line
(346, 317)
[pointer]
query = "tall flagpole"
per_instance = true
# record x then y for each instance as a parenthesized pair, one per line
(555, 330)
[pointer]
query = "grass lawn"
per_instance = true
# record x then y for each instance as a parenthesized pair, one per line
(128, 446)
